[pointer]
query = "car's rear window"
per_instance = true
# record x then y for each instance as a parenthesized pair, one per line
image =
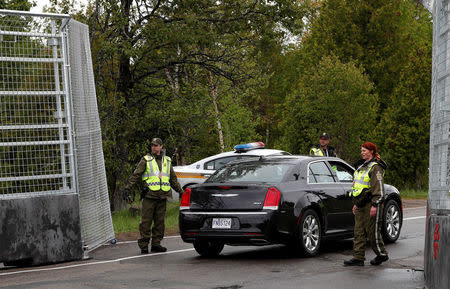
(251, 172)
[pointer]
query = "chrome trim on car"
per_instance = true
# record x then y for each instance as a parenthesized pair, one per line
(224, 195)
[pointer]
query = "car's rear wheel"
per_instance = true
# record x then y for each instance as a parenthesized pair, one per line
(390, 229)
(208, 248)
(309, 237)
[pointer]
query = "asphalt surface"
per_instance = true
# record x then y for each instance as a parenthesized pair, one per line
(121, 266)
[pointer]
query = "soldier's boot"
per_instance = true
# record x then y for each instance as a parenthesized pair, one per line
(158, 248)
(354, 262)
(379, 259)
(143, 245)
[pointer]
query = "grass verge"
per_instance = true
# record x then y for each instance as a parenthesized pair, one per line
(127, 220)
(414, 194)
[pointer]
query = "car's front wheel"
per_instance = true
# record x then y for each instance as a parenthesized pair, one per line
(208, 248)
(391, 221)
(309, 237)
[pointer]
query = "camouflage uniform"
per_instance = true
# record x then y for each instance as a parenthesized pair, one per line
(153, 204)
(366, 226)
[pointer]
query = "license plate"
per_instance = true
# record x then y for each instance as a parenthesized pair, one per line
(221, 223)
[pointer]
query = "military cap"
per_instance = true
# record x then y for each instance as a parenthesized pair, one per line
(325, 135)
(156, 141)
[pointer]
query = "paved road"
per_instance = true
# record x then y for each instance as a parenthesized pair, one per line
(120, 266)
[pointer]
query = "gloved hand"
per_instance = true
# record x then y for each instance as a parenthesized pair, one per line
(144, 192)
(126, 196)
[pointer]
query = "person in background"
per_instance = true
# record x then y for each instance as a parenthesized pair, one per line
(155, 170)
(323, 149)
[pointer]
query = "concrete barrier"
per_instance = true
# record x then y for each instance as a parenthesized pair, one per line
(437, 252)
(40, 230)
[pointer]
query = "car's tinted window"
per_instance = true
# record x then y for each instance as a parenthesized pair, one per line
(218, 163)
(251, 172)
(343, 172)
(319, 173)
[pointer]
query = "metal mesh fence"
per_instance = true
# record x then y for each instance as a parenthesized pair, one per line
(35, 142)
(439, 194)
(50, 137)
(94, 200)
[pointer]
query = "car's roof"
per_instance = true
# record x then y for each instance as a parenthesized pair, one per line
(253, 152)
(289, 158)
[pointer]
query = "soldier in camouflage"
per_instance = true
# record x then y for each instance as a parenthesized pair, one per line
(368, 197)
(158, 176)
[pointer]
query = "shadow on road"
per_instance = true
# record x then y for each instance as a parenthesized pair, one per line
(281, 251)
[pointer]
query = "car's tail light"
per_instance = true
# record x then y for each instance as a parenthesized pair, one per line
(272, 199)
(186, 200)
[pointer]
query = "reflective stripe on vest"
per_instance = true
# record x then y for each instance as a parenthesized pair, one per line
(316, 152)
(152, 173)
(361, 180)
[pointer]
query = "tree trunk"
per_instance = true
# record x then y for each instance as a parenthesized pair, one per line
(213, 91)
(124, 86)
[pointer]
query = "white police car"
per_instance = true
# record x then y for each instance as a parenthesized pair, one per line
(198, 172)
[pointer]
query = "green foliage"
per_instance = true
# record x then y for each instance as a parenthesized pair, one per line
(404, 128)
(176, 70)
(317, 104)
(123, 221)
(391, 42)
(375, 34)
(238, 122)
(23, 5)
(360, 70)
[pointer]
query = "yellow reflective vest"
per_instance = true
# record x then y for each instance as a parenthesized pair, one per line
(316, 152)
(361, 180)
(155, 179)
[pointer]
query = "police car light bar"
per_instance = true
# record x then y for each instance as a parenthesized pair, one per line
(249, 146)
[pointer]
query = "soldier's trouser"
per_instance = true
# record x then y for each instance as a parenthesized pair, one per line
(370, 227)
(153, 210)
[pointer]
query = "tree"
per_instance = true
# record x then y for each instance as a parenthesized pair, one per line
(391, 42)
(335, 97)
(22, 5)
(149, 55)
(404, 129)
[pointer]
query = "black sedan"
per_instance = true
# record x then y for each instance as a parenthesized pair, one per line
(293, 200)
